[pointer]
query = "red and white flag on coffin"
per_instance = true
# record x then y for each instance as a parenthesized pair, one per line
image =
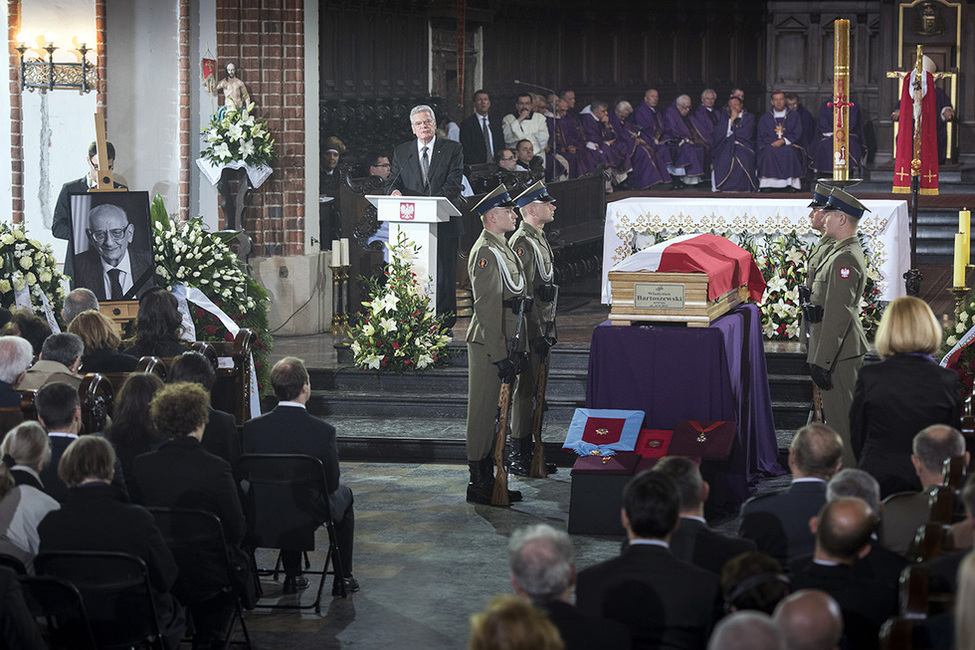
(728, 265)
(911, 106)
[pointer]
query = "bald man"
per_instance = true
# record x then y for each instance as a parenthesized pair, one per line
(111, 267)
(843, 532)
(747, 630)
(810, 619)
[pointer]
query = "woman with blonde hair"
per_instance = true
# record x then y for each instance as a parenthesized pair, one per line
(511, 623)
(23, 503)
(901, 395)
(101, 344)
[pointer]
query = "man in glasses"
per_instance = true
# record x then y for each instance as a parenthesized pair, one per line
(109, 267)
(432, 166)
(61, 227)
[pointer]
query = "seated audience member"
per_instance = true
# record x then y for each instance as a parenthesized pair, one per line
(30, 327)
(379, 166)
(943, 570)
(23, 504)
(899, 396)
(645, 166)
(843, 532)
(480, 134)
(15, 359)
(59, 361)
(781, 160)
(18, 628)
(794, 103)
(879, 563)
(512, 624)
(694, 541)
(821, 146)
(747, 631)
(905, 512)
(96, 517)
(290, 429)
(543, 572)
(220, 437)
(182, 474)
(733, 150)
(524, 124)
(706, 117)
(647, 577)
(810, 619)
(688, 147)
(527, 161)
(158, 327)
(778, 523)
(101, 341)
(131, 432)
(77, 301)
(753, 580)
(603, 141)
(506, 160)
(59, 410)
(965, 602)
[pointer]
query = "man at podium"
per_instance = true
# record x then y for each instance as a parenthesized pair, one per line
(432, 166)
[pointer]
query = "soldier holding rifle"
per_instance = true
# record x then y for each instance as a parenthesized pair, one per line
(495, 344)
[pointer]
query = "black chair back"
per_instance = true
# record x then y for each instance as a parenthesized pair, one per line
(116, 592)
(58, 605)
(286, 499)
(13, 563)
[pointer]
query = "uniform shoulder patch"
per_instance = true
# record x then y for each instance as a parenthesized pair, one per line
(844, 272)
(482, 263)
(520, 251)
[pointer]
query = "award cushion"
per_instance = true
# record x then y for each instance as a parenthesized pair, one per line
(623, 463)
(653, 443)
(703, 438)
(603, 430)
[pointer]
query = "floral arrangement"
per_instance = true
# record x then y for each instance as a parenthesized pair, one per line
(237, 135)
(399, 330)
(186, 253)
(28, 264)
(963, 360)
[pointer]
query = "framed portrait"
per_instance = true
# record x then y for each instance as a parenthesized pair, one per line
(112, 244)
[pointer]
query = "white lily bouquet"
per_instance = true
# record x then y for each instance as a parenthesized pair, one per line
(237, 135)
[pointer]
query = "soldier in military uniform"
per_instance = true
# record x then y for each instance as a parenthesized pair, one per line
(817, 221)
(537, 208)
(837, 342)
(499, 286)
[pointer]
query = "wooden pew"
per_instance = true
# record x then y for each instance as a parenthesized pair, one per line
(931, 541)
(95, 395)
(232, 389)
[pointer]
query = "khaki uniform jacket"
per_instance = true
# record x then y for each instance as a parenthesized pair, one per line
(496, 276)
(816, 257)
(532, 248)
(837, 285)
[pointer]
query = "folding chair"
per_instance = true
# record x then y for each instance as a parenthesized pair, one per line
(196, 539)
(116, 592)
(60, 606)
(286, 499)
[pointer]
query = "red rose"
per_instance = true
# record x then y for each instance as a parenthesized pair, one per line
(210, 329)
(228, 337)
(395, 345)
(199, 313)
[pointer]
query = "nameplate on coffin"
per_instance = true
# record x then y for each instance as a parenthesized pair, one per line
(658, 295)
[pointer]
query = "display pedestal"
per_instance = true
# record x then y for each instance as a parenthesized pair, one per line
(417, 217)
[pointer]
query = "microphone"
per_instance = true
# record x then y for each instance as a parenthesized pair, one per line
(531, 85)
(389, 184)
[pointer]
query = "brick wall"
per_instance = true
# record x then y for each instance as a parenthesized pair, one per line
(265, 39)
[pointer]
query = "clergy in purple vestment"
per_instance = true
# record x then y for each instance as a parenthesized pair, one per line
(781, 161)
(821, 150)
(570, 140)
(806, 119)
(601, 138)
(733, 150)
(651, 124)
(646, 167)
(685, 142)
(704, 119)
(557, 165)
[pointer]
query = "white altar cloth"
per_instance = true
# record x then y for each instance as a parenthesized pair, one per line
(886, 228)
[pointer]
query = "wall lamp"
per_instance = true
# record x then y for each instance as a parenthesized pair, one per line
(35, 72)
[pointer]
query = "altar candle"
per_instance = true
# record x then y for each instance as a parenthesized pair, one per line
(344, 243)
(959, 268)
(336, 253)
(965, 226)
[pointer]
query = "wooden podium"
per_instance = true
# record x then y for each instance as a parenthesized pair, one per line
(417, 217)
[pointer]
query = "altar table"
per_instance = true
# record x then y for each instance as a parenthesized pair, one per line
(886, 228)
(684, 373)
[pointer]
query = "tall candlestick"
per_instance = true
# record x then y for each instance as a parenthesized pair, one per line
(336, 253)
(959, 267)
(965, 226)
(841, 98)
(344, 246)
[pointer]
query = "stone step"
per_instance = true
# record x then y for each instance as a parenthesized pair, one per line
(790, 388)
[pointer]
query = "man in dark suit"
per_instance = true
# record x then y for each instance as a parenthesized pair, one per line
(432, 166)
(905, 512)
(61, 226)
(543, 572)
(15, 357)
(809, 619)
(59, 410)
(220, 436)
(843, 533)
(694, 541)
(943, 570)
(666, 602)
(778, 523)
(480, 136)
(290, 429)
(109, 267)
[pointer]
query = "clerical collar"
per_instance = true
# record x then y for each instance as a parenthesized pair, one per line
(808, 479)
(779, 113)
